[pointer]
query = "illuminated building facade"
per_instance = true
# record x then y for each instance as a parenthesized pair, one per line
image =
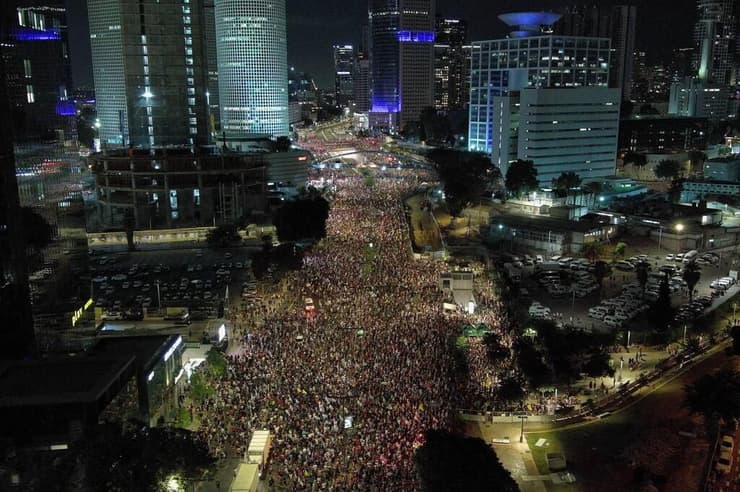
(344, 60)
(251, 41)
(451, 64)
(402, 61)
(150, 72)
(531, 57)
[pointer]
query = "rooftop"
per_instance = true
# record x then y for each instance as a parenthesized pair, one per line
(144, 349)
(62, 380)
(544, 223)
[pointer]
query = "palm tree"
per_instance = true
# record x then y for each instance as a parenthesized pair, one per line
(641, 270)
(691, 275)
(592, 250)
(601, 270)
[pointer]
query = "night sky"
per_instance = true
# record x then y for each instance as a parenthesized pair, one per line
(315, 25)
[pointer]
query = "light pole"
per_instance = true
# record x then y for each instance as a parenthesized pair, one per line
(684, 334)
(734, 312)
(660, 236)
(521, 435)
(159, 297)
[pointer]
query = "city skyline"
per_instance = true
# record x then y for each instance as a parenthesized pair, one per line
(310, 41)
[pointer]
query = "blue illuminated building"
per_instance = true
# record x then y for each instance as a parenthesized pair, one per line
(402, 59)
(25, 34)
(415, 37)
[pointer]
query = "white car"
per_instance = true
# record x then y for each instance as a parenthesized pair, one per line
(120, 276)
(669, 257)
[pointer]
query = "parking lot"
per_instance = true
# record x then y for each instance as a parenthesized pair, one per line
(130, 285)
(566, 289)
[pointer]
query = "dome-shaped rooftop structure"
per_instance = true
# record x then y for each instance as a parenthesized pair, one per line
(529, 22)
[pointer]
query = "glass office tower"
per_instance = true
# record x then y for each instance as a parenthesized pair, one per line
(252, 68)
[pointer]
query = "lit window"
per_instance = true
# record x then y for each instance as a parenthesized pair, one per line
(29, 94)
(27, 68)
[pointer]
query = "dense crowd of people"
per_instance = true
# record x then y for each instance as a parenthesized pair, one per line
(349, 388)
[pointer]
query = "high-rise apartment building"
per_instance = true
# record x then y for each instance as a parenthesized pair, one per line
(344, 61)
(451, 64)
(531, 57)
(252, 68)
(715, 37)
(617, 23)
(150, 72)
(402, 60)
(706, 92)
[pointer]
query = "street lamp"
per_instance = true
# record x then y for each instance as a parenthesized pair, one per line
(521, 435)
(679, 227)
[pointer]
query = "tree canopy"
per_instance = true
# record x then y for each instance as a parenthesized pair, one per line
(592, 250)
(661, 314)
(667, 169)
(566, 182)
(452, 463)
(142, 458)
(302, 218)
(223, 235)
(634, 158)
(521, 177)
(691, 275)
(465, 176)
(715, 394)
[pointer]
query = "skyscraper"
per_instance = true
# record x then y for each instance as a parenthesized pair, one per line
(150, 72)
(451, 64)
(209, 19)
(16, 323)
(544, 97)
(344, 60)
(402, 60)
(715, 35)
(525, 60)
(252, 68)
(617, 23)
(361, 74)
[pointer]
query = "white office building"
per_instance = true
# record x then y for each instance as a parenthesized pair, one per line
(252, 68)
(530, 57)
(572, 129)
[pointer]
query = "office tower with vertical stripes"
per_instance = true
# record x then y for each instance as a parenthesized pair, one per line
(150, 72)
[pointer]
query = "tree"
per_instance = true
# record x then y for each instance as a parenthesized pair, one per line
(619, 250)
(592, 250)
(639, 161)
(282, 144)
(141, 458)
(129, 223)
(521, 177)
(216, 363)
(495, 349)
(601, 270)
(594, 187)
(36, 230)
(436, 126)
(223, 235)
(668, 169)
(661, 314)
(302, 218)
(452, 463)
(597, 365)
(530, 362)
(641, 271)
(566, 182)
(691, 275)
(510, 390)
(465, 176)
(715, 394)
(735, 332)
